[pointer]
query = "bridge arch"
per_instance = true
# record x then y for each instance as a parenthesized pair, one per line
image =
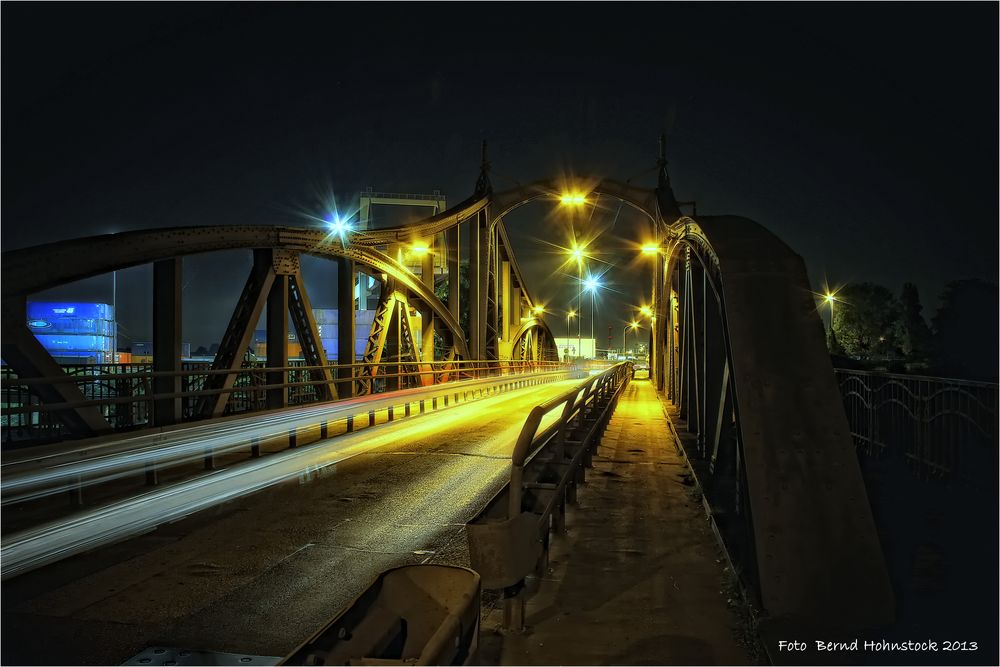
(745, 363)
(641, 199)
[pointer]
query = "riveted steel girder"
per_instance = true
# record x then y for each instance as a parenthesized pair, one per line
(40, 267)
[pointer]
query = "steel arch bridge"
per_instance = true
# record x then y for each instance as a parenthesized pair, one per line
(737, 347)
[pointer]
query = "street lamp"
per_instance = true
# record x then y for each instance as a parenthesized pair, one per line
(633, 326)
(339, 227)
(592, 285)
(569, 315)
(577, 253)
(572, 199)
(650, 250)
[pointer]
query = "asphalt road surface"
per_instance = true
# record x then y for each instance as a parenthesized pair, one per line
(258, 575)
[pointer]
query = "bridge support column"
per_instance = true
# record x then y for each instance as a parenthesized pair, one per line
(715, 372)
(506, 305)
(346, 354)
(478, 245)
(453, 238)
(427, 316)
(167, 340)
(696, 416)
(277, 341)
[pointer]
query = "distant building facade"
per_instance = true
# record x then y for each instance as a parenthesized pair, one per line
(74, 332)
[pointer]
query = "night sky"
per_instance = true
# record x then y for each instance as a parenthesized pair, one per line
(864, 135)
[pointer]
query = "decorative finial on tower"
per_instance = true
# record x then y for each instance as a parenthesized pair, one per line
(483, 185)
(665, 193)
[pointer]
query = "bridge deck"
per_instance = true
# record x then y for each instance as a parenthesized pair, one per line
(638, 578)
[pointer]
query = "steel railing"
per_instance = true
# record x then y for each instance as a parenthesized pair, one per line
(125, 396)
(42, 471)
(508, 540)
(938, 428)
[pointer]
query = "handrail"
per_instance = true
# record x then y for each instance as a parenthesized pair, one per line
(130, 402)
(504, 538)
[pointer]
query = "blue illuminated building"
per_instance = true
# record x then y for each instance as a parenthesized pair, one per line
(74, 332)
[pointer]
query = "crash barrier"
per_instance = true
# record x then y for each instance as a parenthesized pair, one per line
(509, 539)
(47, 470)
(411, 615)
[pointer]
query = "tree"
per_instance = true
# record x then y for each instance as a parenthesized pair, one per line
(915, 335)
(966, 331)
(866, 321)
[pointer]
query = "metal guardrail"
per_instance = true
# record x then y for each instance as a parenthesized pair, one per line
(941, 429)
(124, 392)
(410, 615)
(36, 472)
(509, 539)
(108, 522)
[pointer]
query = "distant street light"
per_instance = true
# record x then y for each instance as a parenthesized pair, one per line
(570, 314)
(633, 326)
(577, 253)
(830, 298)
(650, 250)
(419, 249)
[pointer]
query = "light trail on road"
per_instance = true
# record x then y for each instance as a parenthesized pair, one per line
(35, 547)
(68, 468)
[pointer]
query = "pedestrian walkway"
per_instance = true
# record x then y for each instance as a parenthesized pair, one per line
(638, 578)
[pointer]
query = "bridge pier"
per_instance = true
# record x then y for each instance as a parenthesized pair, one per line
(167, 340)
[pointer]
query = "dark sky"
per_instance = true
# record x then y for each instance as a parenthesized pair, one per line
(864, 135)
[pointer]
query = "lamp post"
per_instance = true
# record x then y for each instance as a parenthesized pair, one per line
(592, 285)
(634, 325)
(577, 254)
(569, 315)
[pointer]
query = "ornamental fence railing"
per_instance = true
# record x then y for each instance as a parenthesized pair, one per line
(938, 428)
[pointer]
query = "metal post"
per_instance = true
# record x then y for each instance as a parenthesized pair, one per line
(346, 352)
(427, 315)
(277, 341)
(167, 340)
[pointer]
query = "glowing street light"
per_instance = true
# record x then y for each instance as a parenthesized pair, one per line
(419, 249)
(572, 199)
(650, 250)
(830, 298)
(646, 311)
(538, 310)
(577, 253)
(339, 227)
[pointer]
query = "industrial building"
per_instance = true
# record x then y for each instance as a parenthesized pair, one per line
(74, 332)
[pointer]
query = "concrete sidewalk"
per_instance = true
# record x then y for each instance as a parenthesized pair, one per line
(638, 578)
